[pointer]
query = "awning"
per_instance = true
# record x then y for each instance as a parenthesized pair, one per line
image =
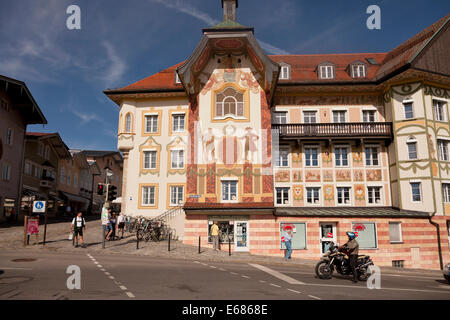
(385, 212)
(75, 198)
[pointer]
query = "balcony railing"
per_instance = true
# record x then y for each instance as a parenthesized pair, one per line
(381, 130)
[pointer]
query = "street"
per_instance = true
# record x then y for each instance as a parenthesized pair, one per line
(42, 275)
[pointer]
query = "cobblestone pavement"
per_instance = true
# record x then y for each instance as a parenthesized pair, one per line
(57, 240)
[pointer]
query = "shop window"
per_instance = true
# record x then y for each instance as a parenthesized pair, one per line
(226, 231)
(367, 234)
(298, 235)
(395, 232)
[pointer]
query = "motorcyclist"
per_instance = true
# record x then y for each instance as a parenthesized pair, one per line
(353, 247)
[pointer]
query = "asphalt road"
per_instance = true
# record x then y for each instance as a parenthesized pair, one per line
(42, 275)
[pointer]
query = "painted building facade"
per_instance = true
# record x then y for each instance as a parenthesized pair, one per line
(17, 110)
(324, 143)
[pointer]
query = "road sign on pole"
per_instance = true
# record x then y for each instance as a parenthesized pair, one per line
(39, 206)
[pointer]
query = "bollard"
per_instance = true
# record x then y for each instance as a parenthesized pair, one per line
(170, 236)
(229, 246)
(137, 240)
(199, 245)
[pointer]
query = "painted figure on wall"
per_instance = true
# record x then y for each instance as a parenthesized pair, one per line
(209, 150)
(251, 148)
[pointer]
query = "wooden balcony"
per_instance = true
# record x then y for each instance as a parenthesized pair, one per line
(351, 130)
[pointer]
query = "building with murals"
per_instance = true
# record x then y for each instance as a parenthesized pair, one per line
(324, 143)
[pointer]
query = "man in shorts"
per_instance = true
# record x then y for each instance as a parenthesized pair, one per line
(77, 226)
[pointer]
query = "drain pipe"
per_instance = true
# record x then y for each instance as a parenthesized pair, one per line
(438, 231)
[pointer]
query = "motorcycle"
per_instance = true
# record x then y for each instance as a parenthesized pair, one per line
(338, 259)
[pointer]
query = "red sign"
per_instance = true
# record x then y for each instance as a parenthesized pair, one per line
(330, 235)
(359, 227)
(33, 226)
(287, 227)
(356, 234)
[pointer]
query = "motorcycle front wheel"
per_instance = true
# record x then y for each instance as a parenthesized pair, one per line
(324, 270)
(363, 274)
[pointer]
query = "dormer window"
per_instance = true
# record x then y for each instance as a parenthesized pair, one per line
(358, 71)
(177, 78)
(284, 72)
(326, 71)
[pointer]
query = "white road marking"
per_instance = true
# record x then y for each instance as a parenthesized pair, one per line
(222, 269)
(292, 290)
(275, 285)
(262, 281)
(1, 268)
(444, 287)
(314, 297)
(365, 288)
(213, 267)
(276, 274)
(196, 262)
(234, 273)
(245, 277)
(128, 293)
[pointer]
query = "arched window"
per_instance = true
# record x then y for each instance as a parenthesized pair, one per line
(229, 102)
(128, 122)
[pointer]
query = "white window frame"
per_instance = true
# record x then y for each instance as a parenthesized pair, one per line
(443, 114)
(176, 125)
(341, 158)
(179, 160)
(316, 119)
(149, 151)
(420, 191)
(412, 141)
(338, 111)
(319, 200)
(284, 202)
(149, 203)
(443, 152)
(358, 70)
(371, 158)
(277, 115)
(284, 73)
(350, 194)
(152, 127)
(326, 72)
(128, 122)
(364, 111)
(282, 150)
(446, 192)
(405, 102)
(381, 195)
(229, 181)
(311, 160)
(399, 224)
(178, 201)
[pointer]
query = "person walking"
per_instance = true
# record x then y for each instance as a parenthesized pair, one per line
(107, 223)
(287, 239)
(120, 224)
(215, 236)
(113, 221)
(77, 227)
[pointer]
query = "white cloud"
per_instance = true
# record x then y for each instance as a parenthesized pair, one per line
(182, 6)
(117, 66)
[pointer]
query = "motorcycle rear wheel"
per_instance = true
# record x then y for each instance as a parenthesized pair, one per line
(324, 270)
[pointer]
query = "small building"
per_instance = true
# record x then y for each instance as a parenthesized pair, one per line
(43, 153)
(17, 110)
(103, 160)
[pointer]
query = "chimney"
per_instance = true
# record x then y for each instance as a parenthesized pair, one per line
(229, 9)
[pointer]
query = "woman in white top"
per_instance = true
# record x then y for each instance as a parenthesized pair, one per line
(120, 224)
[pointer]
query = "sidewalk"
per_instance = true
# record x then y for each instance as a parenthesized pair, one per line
(58, 233)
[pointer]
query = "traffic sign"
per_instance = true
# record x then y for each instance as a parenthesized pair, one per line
(39, 206)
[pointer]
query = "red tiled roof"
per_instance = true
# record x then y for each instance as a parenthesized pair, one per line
(304, 67)
(162, 80)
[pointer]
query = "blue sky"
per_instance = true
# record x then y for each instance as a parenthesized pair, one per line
(121, 42)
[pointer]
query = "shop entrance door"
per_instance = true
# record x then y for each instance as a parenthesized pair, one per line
(241, 236)
(327, 235)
